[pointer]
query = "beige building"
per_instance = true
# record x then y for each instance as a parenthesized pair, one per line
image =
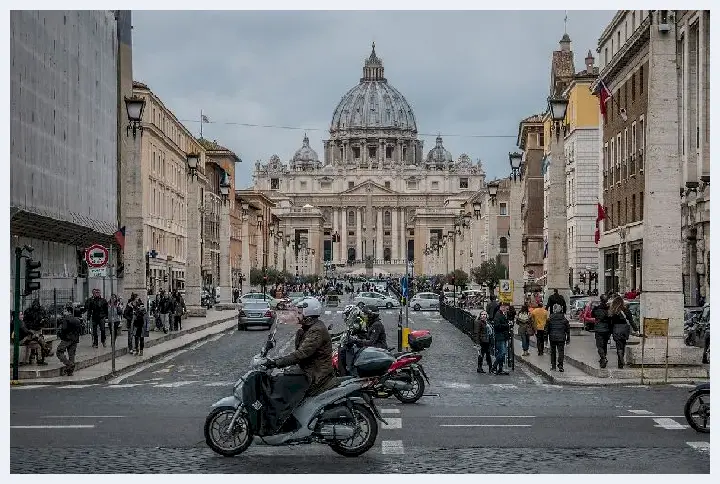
(373, 202)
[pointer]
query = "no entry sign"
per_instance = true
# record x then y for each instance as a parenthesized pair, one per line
(96, 256)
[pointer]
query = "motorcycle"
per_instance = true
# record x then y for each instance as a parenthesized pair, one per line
(697, 408)
(405, 378)
(337, 417)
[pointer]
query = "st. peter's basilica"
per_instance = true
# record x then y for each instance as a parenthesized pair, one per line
(374, 201)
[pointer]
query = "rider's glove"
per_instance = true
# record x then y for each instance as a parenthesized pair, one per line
(270, 363)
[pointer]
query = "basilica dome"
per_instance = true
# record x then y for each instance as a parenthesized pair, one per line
(373, 104)
(305, 156)
(439, 155)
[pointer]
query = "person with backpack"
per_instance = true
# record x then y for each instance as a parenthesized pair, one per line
(602, 329)
(621, 321)
(540, 317)
(483, 335)
(558, 329)
(525, 328)
(69, 335)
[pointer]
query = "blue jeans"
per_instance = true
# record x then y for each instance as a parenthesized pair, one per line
(525, 338)
(500, 353)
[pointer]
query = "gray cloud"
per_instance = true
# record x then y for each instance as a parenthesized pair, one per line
(468, 73)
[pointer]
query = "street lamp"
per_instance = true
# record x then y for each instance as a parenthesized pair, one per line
(515, 164)
(477, 209)
(225, 187)
(492, 190)
(193, 160)
(558, 108)
(134, 106)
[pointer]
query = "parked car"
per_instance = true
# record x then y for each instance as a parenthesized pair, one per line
(425, 300)
(258, 296)
(376, 299)
(577, 305)
(255, 313)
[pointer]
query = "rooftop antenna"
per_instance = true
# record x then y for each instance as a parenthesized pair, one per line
(566, 21)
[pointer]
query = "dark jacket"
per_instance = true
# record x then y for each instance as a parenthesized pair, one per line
(501, 327)
(97, 309)
(70, 329)
(481, 332)
(491, 308)
(375, 337)
(556, 299)
(511, 313)
(313, 353)
(621, 324)
(602, 320)
(179, 306)
(33, 316)
(558, 328)
(166, 304)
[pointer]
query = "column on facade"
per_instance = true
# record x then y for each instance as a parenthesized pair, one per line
(515, 255)
(379, 233)
(343, 235)
(225, 275)
(492, 249)
(245, 260)
(135, 248)
(358, 235)
(335, 245)
(703, 97)
(403, 232)
(557, 258)
(394, 232)
(193, 274)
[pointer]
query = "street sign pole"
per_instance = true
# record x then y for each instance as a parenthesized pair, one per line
(16, 317)
(112, 329)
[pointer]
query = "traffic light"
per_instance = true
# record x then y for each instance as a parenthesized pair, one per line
(165, 278)
(582, 278)
(32, 273)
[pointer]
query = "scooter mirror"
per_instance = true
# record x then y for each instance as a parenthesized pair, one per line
(330, 327)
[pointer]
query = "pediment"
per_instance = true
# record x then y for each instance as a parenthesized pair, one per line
(368, 186)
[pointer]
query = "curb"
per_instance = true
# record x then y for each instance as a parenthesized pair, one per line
(98, 360)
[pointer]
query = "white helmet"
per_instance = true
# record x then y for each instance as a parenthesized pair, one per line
(311, 307)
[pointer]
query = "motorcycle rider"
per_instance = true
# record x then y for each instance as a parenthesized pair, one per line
(376, 331)
(313, 350)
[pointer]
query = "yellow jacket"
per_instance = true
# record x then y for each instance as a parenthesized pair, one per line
(540, 317)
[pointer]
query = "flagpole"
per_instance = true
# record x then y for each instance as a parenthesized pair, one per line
(201, 123)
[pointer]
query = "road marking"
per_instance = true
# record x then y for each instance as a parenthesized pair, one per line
(703, 447)
(535, 378)
(650, 416)
(669, 424)
(52, 426)
(641, 412)
(215, 338)
(637, 386)
(198, 345)
(548, 385)
(137, 370)
(220, 384)
(79, 386)
(338, 312)
(389, 410)
(125, 385)
(392, 447)
(174, 384)
(456, 385)
(28, 387)
(485, 425)
(328, 312)
(484, 416)
(683, 385)
(83, 416)
(393, 423)
(503, 385)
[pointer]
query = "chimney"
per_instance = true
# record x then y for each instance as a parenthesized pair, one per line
(589, 62)
(565, 43)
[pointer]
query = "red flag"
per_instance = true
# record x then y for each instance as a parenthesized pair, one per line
(600, 216)
(601, 213)
(120, 237)
(603, 94)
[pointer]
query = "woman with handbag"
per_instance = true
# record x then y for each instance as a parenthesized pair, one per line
(525, 328)
(621, 321)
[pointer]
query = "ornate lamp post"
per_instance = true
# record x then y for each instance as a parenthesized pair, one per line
(515, 165)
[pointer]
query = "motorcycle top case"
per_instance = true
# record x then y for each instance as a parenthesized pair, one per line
(372, 362)
(419, 340)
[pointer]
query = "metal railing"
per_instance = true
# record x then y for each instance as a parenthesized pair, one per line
(461, 319)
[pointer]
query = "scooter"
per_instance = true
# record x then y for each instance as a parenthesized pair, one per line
(405, 378)
(697, 408)
(344, 417)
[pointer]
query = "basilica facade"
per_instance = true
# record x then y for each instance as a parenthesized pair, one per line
(374, 201)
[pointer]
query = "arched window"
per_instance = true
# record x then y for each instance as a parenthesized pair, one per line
(351, 217)
(503, 245)
(386, 254)
(387, 220)
(351, 254)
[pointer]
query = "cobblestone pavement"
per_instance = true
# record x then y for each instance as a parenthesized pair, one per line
(150, 420)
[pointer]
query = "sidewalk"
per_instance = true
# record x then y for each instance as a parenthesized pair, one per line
(95, 365)
(582, 366)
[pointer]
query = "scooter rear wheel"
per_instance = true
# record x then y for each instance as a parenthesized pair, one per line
(367, 433)
(417, 391)
(699, 418)
(227, 445)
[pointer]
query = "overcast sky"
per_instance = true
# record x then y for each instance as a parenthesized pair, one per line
(464, 73)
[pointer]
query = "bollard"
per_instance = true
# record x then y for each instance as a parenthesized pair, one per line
(399, 330)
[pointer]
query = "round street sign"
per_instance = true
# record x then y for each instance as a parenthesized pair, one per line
(96, 256)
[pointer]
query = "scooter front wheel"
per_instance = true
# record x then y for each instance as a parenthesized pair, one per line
(697, 411)
(222, 442)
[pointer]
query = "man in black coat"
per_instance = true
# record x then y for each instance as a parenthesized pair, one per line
(558, 330)
(97, 313)
(69, 335)
(602, 329)
(556, 298)
(492, 307)
(501, 329)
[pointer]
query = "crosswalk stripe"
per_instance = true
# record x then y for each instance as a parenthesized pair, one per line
(392, 447)
(220, 384)
(389, 410)
(174, 384)
(393, 423)
(125, 385)
(703, 447)
(683, 385)
(79, 386)
(328, 312)
(28, 387)
(669, 424)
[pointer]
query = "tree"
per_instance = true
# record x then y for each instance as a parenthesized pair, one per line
(489, 274)
(461, 277)
(256, 276)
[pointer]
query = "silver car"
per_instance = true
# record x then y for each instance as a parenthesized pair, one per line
(255, 313)
(376, 299)
(425, 300)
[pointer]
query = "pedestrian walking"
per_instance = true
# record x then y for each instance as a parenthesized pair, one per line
(115, 315)
(558, 328)
(492, 307)
(141, 328)
(603, 329)
(482, 339)
(540, 317)
(97, 313)
(525, 328)
(556, 298)
(621, 321)
(128, 314)
(165, 308)
(69, 335)
(179, 311)
(501, 330)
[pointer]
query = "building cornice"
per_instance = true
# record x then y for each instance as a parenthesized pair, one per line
(611, 27)
(630, 48)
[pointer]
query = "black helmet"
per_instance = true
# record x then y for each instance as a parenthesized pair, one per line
(372, 312)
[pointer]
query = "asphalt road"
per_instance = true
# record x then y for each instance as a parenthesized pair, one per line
(151, 420)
